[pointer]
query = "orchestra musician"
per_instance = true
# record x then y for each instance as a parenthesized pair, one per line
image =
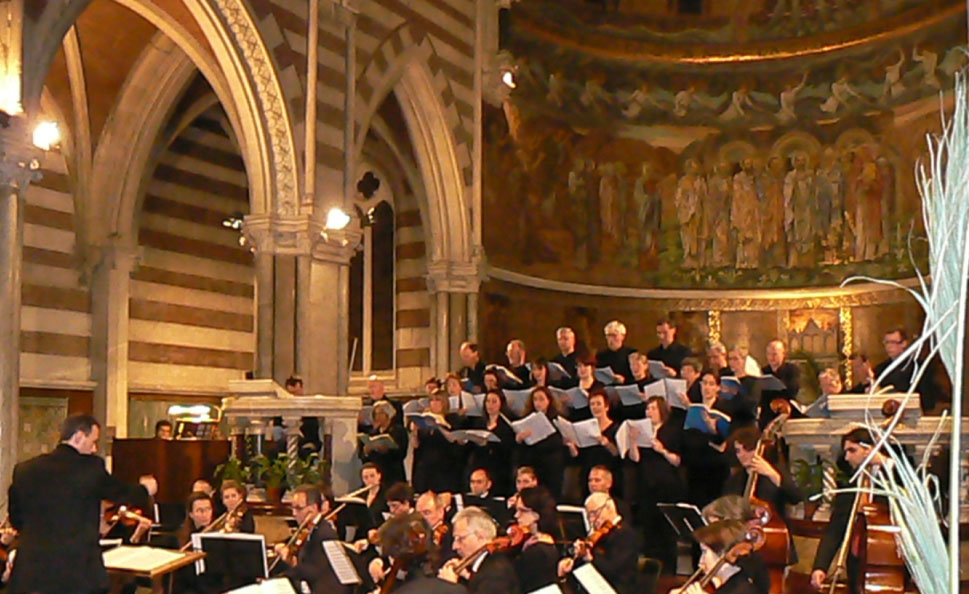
(779, 488)
(239, 518)
(525, 477)
(600, 480)
(717, 541)
(309, 563)
(432, 508)
(537, 562)
(415, 559)
(738, 507)
(54, 504)
(615, 549)
(200, 515)
(856, 445)
(399, 498)
(489, 573)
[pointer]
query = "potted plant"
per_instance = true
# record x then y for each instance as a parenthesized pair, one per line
(809, 476)
(233, 469)
(273, 472)
(310, 471)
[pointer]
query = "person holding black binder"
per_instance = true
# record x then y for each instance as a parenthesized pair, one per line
(387, 446)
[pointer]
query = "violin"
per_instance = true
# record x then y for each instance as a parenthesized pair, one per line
(439, 533)
(233, 521)
(753, 540)
(416, 546)
(516, 537)
(581, 547)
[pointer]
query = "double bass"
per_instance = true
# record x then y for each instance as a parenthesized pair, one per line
(776, 547)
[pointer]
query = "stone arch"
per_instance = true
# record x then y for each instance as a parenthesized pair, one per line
(404, 64)
(252, 82)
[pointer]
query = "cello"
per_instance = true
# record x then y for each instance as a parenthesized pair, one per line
(776, 548)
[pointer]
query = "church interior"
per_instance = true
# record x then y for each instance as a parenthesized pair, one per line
(204, 199)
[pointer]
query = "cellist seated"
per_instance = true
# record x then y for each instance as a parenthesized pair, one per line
(838, 544)
(723, 546)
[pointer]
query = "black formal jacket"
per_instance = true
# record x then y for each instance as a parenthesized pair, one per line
(901, 378)
(671, 356)
(55, 504)
(741, 583)
(570, 365)
(313, 566)
(618, 361)
(496, 575)
(537, 566)
(476, 374)
(391, 462)
(790, 375)
(616, 557)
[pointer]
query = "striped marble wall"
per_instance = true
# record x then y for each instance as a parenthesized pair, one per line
(192, 325)
(413, 301)
(56, 312)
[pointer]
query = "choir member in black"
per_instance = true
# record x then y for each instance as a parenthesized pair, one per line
(547, 457)
(585, 372)
(239, 518)
(492, 380)
(489, 573)
(742, 405)
(784, 370)
(639, 365)
(861, 373)
(474, 367)
(517, 359)
(616, 355)
(605, 452)
(390, 458)
(615, 555)
(729, 578)
(536, 563)
(706, 465)
(717, 358)
(378, 393)
(437, 458)
(659, 482)
(690, 371)
(496, 457)
(539, 372)
(896, 342)
(669, 352)
(565, 337)
(432, 508)
(310, 564)
(600, 480)
(856, 445)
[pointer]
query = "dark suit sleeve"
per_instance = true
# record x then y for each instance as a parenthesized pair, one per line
(115, 490)
(835, 534)
(790, 492)
(13, 499)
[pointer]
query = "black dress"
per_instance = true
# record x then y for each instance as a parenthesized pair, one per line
(706, 468)
(547, 457)
(391, 462)
(660, 482)
(537, 566)
(437, 461)
(495, 457)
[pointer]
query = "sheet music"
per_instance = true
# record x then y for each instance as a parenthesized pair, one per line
(592, 580)
(628, 395)
(139, 558)
(549, 589)
(657, 369)
(517, 400)
(583, 433)
(416, 406)
(473, 404)
(340, 562)
(624, 440)
(606, 375)
(771, 383)
(539, 425)
(674, 387)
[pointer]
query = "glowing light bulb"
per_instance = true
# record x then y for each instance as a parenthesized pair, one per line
(508, 77)
(47, 135)
(337, 219)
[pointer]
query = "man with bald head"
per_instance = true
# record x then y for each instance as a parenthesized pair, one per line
(784, 370)
(517, 359)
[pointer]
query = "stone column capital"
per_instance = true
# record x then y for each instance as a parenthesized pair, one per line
(300, 236)
(19, 158)
(445, 276)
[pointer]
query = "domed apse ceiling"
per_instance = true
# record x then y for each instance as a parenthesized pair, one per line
(646, 148)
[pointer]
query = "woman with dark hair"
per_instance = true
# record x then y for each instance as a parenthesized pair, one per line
(585, 369)
(658, 481)
(435, 456)
(536, 564)
(539, 372)
(547, 457)
(707, 467)
(495, 457)
(606, 453)
(413, 555)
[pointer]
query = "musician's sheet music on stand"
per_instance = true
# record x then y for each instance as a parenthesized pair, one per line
(592, 580)
(279, 585)
(340, 562)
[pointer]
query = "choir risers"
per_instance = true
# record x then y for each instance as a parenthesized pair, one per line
(255, 402)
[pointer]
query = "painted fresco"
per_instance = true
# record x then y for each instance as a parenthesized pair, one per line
(795, 174)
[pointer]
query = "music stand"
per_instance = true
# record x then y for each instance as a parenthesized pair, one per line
(573, 521)
(232, 559)
(684, 517)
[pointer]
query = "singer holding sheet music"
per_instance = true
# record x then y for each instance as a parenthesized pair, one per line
(495, 457)
(616, 356)
(606, 452)
(669, 352)
(547, 457)
(437, 459)
(388, 455)
(706, 465)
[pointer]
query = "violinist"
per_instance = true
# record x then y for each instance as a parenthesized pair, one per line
(54, 503)
(486, 573)
(409, 542)
(525, 477)
(856, 445)
(205, 486)
(432, 507)
(201, 513)
(613, 547)
(399, 498)
(536, 564)
(738, 507)
(722, 546)
(240, 516)
(308, 564)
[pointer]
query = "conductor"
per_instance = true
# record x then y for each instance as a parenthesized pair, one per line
(55, 504)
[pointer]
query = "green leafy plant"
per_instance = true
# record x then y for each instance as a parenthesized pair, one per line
(233, 470)
(809, 476)
(273, 472)
(310, 471)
